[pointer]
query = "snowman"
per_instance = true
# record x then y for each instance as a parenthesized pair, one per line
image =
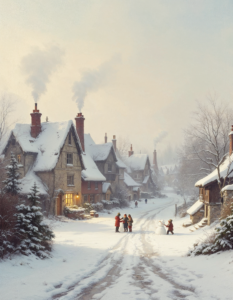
(160, 230)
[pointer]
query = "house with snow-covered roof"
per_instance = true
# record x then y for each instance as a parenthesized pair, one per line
(139, 168)
(50, 155)
(209, 191)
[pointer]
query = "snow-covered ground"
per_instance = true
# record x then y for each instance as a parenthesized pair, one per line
(91, 261)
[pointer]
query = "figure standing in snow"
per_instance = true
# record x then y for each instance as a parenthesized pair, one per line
(170, 227)
(136, 203)
(125, 223)
(117, 222)
(146, 201)
(130, 223)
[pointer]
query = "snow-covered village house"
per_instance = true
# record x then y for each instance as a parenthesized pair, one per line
(94, 187)
(210, 201)
(50, 155)
(139, 168)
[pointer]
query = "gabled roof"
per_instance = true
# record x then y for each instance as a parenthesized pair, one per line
(91, 173)
(27, 182)
(146, 179)
(105, 187)
(136, 162)
(47, 145)
(128, 180)
(226, 169)
(98, 152)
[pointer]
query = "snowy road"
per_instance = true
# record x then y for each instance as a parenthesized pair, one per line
(91, 261)
(129, 270)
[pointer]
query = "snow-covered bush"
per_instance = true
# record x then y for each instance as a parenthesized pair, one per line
(98, 206)
(121, 194)
(34, 236)
(223, 239)
(12, 181)
(88, 207)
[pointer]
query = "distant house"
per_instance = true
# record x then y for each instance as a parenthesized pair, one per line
(50, 155)
(139, 168)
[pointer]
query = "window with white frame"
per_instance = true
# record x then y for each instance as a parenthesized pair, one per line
(69, 158)
(70, 180)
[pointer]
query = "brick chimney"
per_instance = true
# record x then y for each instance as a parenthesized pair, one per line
(131, 151)
(35, 122)
(80, 128)
(231, 141)
(105, 138)
(155, 164)
(114, 142)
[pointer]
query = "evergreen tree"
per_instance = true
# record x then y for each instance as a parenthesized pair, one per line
(223, 240)
(34, 234)
(12, 180)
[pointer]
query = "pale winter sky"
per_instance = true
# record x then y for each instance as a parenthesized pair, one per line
(164, 55)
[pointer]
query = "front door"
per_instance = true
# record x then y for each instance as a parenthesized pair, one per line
(59, 205)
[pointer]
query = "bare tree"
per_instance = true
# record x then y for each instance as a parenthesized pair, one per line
(207, 139)
(6, 109)
(123, 145)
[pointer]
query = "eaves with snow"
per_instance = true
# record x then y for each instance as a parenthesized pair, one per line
(195, 207)
(226, 169)
(129, 181)
(136, 162)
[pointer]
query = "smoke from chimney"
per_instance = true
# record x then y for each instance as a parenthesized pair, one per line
(38, 66)
(160, 137)
(92, 80)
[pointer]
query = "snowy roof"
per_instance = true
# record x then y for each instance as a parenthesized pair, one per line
(195, 207)
(105, 186)
(92, 172)
(146, 179)
(98, 152)
(47, 145)
(121, 164)
(135, 189)
(136, 162)
(226, 169)
(228, 188)
(128, 180)
(27, 182)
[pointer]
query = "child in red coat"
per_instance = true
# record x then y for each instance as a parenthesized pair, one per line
(170, 227)
(117, 222)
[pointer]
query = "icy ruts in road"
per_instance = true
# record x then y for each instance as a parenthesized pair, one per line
(130, 270)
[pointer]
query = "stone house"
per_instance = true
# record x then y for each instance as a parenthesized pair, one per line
(139, 168)
(50, 155)
(92, 178)
(208, 186)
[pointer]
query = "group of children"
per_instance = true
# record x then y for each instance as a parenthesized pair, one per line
(126, 220)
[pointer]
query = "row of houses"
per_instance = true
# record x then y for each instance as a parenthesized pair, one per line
(69, 168)
(211, 201)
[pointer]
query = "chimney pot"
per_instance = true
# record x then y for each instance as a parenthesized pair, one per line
(80, 129)
(35, 122)
(114, 142)
(131, 150)
(105, 138)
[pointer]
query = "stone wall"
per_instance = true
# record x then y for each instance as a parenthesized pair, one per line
(197, 216)
(214, 212)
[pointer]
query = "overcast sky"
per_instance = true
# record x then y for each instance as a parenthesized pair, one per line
(165, 55)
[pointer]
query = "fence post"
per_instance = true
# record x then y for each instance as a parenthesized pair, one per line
(175, 210)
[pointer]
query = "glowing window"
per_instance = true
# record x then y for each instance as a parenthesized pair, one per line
(69, 199)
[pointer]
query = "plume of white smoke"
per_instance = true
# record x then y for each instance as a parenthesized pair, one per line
(160, 137)
(92, 80)
(38, 67)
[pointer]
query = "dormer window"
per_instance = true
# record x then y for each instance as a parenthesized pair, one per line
(109, 168)
(19, 158)
(69, 139)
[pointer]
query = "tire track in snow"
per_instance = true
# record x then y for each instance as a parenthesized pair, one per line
(85, 288)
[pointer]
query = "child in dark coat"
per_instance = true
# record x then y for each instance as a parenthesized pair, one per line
(125, 222)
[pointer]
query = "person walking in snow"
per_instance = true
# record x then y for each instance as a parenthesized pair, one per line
(117, 222)
(146, 201)
(130, 223)
(170, 227)
(136, 203)
(125, 223)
